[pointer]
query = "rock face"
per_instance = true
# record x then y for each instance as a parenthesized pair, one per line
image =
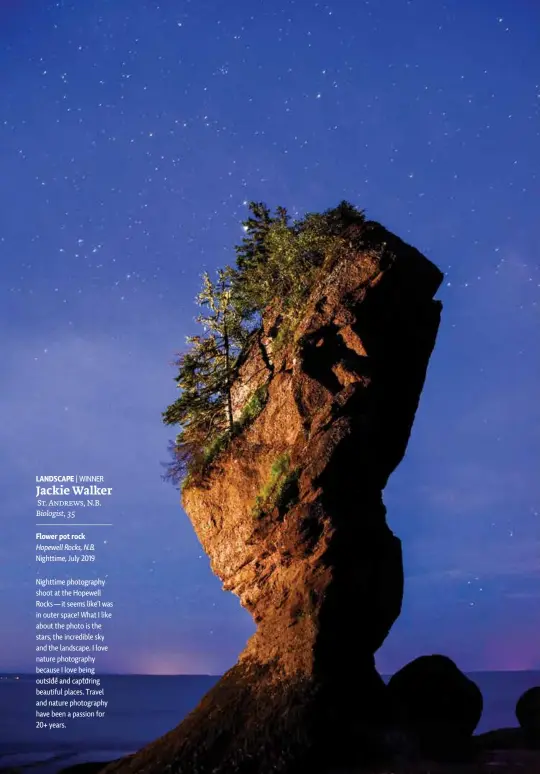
(292, 518)
(437, 704)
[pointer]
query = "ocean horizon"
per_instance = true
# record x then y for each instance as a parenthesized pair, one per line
(142, 707)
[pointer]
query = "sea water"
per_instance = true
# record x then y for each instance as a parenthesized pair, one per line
(143, 707)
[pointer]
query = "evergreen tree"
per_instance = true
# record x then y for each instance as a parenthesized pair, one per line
(252, 286)
(200, 409)
(224, 325)
(338, 219)
(204, 408)
(333, 222)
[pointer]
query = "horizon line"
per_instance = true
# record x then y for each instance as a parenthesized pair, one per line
(208, 674)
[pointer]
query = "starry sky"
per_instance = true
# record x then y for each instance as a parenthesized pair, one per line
(131, 136)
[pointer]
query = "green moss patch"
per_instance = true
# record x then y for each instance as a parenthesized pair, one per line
(280, 490)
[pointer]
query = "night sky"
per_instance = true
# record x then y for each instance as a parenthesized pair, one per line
(132, 134)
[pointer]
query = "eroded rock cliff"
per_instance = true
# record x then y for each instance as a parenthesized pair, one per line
(292, 518)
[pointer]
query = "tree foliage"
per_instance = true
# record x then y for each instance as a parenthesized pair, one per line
(280, 260)
(204, 408)
(276, 266)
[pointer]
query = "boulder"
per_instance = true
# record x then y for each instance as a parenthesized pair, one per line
(528, 713)
(436, 702)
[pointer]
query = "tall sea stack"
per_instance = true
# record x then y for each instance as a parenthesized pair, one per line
(292, 517)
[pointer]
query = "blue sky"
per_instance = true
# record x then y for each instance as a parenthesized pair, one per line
(130, 140)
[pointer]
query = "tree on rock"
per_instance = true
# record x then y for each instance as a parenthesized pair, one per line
(204, 409)
(253, 276)
(277, 265)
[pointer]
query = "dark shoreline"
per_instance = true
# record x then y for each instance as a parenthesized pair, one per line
(500, 750)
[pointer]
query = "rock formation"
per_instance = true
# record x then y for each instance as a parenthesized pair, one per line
(439, 706)
(528, 714)
(292, 518)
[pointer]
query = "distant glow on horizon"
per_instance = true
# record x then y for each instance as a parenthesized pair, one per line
(169, 664)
